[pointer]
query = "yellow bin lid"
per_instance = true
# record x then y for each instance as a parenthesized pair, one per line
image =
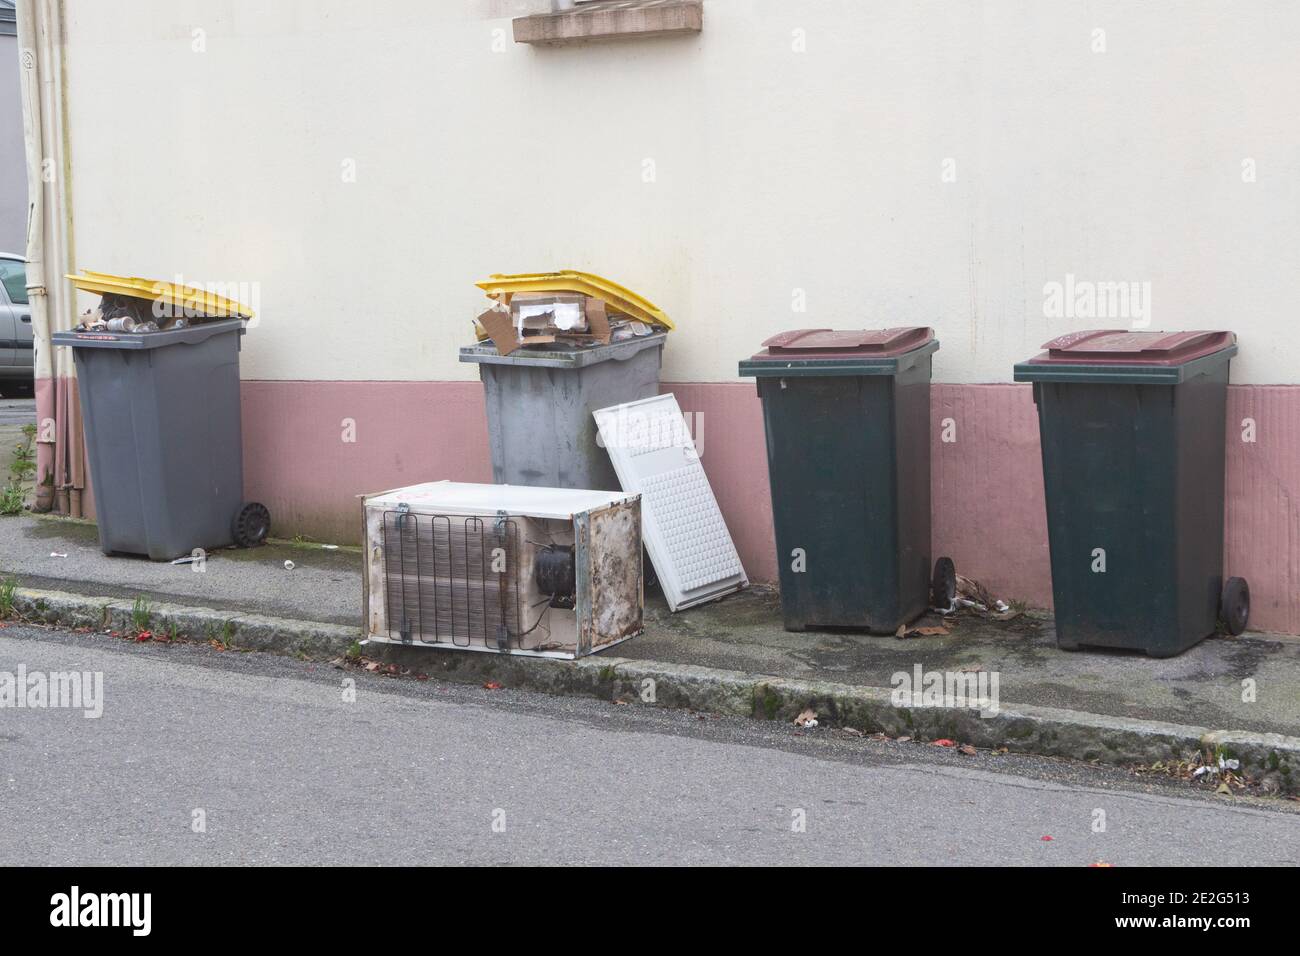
(189, 297)
(570, 280)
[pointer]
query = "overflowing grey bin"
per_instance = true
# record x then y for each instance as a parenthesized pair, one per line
(162, 425)
(539, 405)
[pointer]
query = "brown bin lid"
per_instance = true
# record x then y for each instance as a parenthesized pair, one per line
(856, 343)
(1124, 347)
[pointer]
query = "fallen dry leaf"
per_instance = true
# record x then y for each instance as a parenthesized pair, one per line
(806, 719)
(852, 731)
(902, 740)
(972, 590)
(967, 749)
(932, 631)
(491, 685)
(373, 666)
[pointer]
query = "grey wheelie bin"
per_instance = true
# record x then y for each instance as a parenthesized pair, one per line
(1132, 427)
(847, 417)
(162, 427)
(539, 404)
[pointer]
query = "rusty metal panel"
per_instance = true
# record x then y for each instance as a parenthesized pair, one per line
(611, 575)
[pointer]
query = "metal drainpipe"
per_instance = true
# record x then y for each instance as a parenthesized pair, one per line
(43, 370)
(76, 441)
(41, 29)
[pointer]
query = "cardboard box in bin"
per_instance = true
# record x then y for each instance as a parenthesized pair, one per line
(566, 307)
(545, 318)
(542, 311)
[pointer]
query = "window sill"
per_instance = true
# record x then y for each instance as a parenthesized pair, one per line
(612, 19)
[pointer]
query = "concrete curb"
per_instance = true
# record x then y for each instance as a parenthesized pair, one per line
(1024, 729)
(251, 631)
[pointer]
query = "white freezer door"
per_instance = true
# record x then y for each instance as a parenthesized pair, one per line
(653, 455)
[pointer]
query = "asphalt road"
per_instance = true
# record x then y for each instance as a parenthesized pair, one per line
(285, 770)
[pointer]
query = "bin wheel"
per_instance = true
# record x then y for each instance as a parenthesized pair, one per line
(252, 525)
(943, 584)
(1234, 605)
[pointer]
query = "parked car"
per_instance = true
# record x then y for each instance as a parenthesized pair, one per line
(15, 325)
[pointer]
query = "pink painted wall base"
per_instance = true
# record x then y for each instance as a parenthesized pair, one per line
(311, 447)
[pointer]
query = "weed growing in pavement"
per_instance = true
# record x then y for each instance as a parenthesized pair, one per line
(140, 616)
(11, 499)
(21, 468)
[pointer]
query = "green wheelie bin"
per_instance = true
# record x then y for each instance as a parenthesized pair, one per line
(1133, 427)
(847, 418)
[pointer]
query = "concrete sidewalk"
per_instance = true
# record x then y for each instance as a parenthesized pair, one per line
(723, 645)
(62, 554)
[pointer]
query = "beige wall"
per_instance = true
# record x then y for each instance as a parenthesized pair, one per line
(775, 170)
